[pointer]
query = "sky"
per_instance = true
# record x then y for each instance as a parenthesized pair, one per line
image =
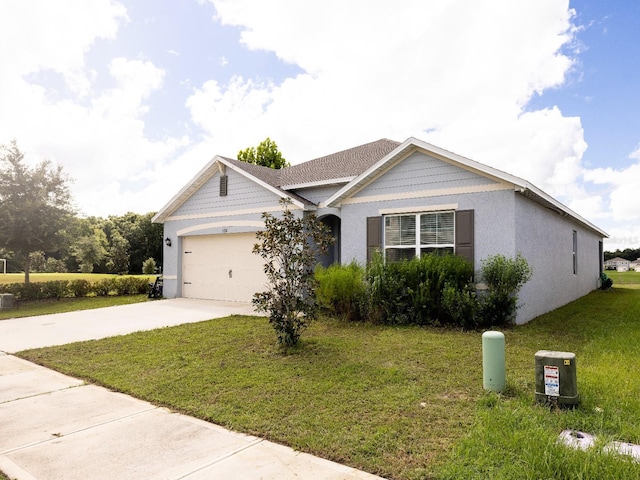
(132, 98)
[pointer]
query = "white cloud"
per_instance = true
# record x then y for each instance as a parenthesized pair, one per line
(456, 74)
(97, 136)
(624, 185)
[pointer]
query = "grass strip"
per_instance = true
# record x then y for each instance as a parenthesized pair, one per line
(45, 307)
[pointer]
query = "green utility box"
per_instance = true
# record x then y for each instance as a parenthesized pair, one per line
(556, 379)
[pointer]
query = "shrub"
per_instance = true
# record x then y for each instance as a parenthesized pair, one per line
(55, 289)
(411, 292)
(104, 287)
(80, 287)
(149, 266)
(462, 305)
(504, 278)
(130, 285)
(342, 290)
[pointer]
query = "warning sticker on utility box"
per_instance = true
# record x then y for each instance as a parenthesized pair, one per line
(551, 381)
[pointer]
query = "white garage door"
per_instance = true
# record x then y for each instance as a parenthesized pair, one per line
(221, 267)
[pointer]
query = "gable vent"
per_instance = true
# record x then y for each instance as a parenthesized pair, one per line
(223, 185)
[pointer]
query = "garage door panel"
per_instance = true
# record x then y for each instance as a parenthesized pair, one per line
(221, 267)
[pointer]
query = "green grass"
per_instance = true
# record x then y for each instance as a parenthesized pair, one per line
(49, 277)
(44, 307)
(624, 278)
(404, 403)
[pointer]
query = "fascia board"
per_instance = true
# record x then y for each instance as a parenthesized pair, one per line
(319, 183)
(532, 189)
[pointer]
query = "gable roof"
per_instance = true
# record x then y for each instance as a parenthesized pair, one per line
(355, 168)
(340, 167)
(413, 144)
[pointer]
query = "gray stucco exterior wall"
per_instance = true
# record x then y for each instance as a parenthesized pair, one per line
(545, 239)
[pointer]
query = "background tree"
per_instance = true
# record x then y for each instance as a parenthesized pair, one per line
(265, 154)
(144, 237)
(35, 205)
(289, 246)
(118, 254)
(90, 250)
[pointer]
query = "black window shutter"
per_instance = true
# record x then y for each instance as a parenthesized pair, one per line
(374, 236)
(464, 234)
(223, 185)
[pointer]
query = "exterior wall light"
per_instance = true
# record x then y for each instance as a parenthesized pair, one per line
(167, 242)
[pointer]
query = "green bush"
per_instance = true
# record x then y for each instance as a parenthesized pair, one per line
(341, 290)
(504, 278)
(130, 285)
(80, 287)
(149, 266)
(411, 291)
(104, 287)
(55, 290)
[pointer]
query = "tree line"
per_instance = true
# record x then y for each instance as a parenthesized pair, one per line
(630, 254)
(117, 244)
(41, 231)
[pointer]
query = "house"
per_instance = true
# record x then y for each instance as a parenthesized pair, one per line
(406, 199)
(635, 265)
(617, 263)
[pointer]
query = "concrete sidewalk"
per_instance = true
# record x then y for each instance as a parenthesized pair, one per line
(55, 427)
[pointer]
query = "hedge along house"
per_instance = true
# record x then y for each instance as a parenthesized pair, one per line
(406, 199)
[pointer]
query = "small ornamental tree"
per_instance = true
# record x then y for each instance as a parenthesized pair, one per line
(289, 247)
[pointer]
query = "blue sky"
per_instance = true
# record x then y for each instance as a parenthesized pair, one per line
(133, 98)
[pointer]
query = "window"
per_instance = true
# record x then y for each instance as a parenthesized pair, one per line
(413, 235)
(575, 252)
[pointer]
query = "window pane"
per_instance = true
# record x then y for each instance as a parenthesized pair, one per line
(400, 230)
(436, 228)
(398, 254)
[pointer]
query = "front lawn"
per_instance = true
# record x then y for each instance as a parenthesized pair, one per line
(404, 403)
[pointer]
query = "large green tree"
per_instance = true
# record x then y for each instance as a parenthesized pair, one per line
(35, 205)
(265, 154)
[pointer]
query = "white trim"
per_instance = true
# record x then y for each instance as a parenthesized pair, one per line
(319, 183)
(4, 261)
(427, 193)
(232, 223)
(229, 213)
(169, 277)
(427, 209)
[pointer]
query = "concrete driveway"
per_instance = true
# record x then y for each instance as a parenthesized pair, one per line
(61, 328)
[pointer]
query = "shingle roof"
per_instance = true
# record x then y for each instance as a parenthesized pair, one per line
(347, 163)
